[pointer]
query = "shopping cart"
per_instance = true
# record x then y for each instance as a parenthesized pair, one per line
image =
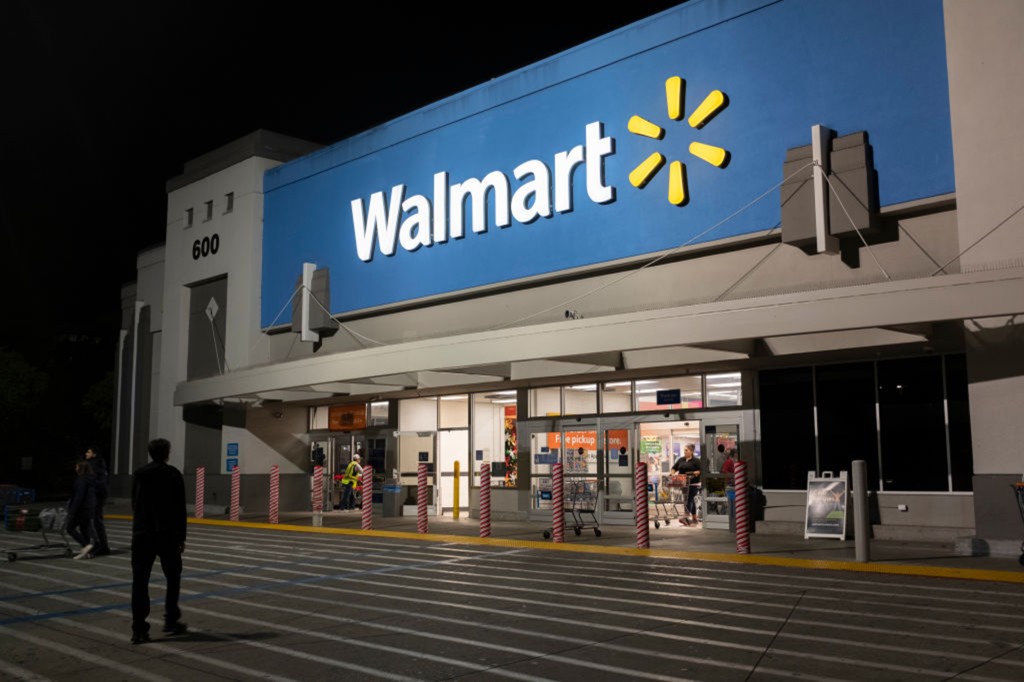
(582, 495)
(664, 504)
(37, 518)
(678, 487)
(1018, 489)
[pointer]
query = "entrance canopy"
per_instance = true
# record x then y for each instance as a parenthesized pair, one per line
(867, 315)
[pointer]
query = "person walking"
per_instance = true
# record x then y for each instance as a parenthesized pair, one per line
(348, 484)
(81, 509)
(98, 467)
(689, 466)
(158, 530)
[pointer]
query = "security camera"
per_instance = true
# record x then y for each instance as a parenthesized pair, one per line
(572, 315)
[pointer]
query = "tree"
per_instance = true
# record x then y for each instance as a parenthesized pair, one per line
(22, 415)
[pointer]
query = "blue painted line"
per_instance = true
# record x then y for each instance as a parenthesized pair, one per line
(231, 590)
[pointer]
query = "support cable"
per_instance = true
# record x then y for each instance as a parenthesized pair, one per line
(854, 226)
(658, 258)
(341, 325)
(980, 239)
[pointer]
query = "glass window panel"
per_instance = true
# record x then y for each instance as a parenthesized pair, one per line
(494, 437)
(724, 390)
(581, 399)
(454, 412)
(417, 414)
(414, 450)
(318, 418)
(619, 451)
(960, 452)
(913, 431)
(544, 449)
(846, 418)
(653, 395)
(545, 402)
(617, 396)
(379, 413)
(787, 427)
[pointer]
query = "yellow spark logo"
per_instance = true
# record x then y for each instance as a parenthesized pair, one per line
(649, 167)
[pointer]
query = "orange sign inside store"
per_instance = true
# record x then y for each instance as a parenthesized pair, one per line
(346, 417)
(588, 440)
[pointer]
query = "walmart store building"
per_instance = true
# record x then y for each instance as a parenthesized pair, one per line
(792, 228)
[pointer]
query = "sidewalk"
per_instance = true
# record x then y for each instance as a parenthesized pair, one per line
(694, 542)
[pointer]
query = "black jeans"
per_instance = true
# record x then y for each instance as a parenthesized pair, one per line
(144, 554)
(99, 528)
(80, 527)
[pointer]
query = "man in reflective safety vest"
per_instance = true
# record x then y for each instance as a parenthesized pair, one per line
(348, 484)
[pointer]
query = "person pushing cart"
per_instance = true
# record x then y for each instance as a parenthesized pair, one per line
(689, 467)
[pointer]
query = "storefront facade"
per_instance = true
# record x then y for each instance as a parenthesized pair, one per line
(610, 254)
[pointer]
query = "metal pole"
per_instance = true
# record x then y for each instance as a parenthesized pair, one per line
(318, 495)
(557, 504)
(861, 526)
(275, 493)
(367, 498)
(200, 492)
(236, 492)
(421, 498)
(742, 510)
(643, 530)
(455, 493)
(485, 500)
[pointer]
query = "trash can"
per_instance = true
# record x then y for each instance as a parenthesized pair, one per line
(392, 498)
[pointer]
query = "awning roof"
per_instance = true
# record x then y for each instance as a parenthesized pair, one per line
(849, 316)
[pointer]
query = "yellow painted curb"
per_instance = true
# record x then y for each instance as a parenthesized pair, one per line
(750, 559)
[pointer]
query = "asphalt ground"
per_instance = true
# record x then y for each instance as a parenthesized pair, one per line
(297, 602)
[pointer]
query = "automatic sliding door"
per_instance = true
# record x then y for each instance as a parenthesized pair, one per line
(617, 481)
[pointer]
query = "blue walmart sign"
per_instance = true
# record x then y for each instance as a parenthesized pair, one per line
(628, 145)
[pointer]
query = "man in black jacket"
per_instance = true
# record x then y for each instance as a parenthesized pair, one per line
(158, 530)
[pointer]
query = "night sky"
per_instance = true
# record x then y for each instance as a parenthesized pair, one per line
(104, 102)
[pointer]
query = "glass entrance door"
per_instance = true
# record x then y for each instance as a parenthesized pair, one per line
(343, 447)
(616, 470)
(721, 440)
(453, 446)
(576, 447)
(661, 444)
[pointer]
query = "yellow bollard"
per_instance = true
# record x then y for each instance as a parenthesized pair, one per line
(455, 495)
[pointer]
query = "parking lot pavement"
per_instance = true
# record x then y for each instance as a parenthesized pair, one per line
(302, 604)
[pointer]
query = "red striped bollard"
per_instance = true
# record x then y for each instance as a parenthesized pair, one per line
(318, 496)
(200, 492)
(275, 492)
(557, 504)
(367, 498)
(643, 531)
(236, 491)
(485, 500)
(421, 498)
(742, 510)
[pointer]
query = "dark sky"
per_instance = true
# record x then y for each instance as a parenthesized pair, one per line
(103, 102)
